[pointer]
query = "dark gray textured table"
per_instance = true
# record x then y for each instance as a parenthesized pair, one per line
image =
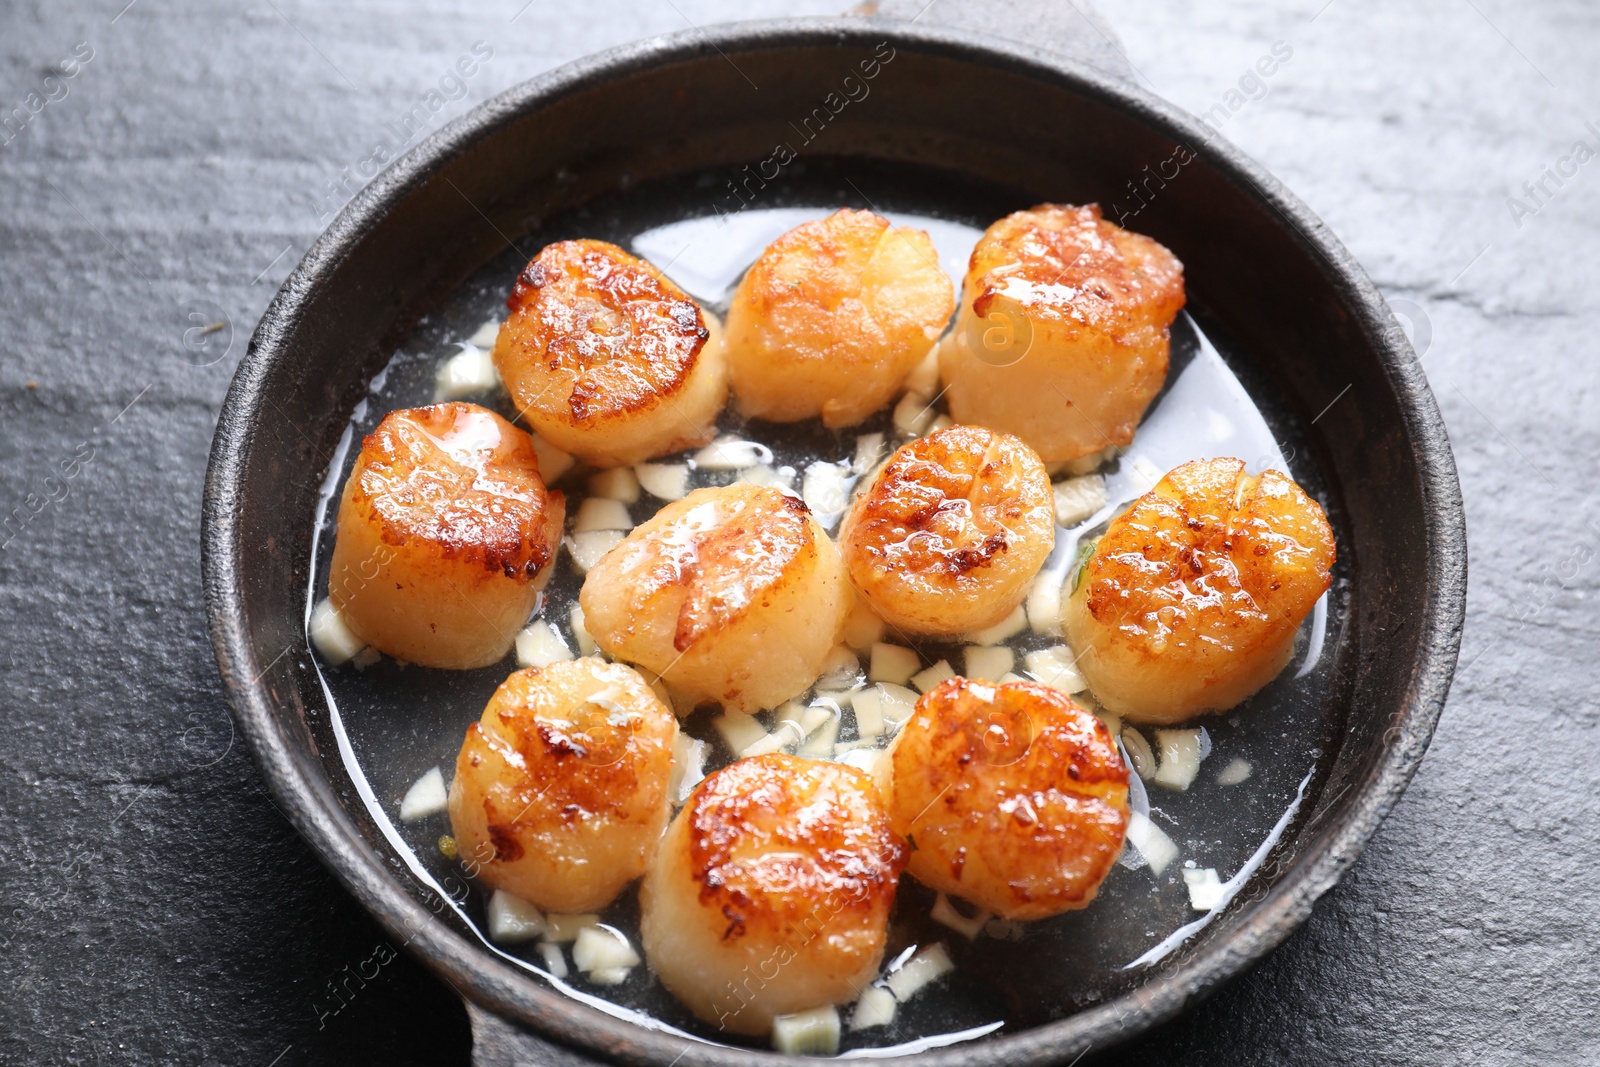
(155, 908)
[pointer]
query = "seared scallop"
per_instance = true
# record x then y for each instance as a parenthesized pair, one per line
(733, 595)
(1191, 600)
(1062, 334)
(445, 535)
(833, 316)
(951, 532)
(560, 794)
(1012, 796)
(771, 891)
(608, 359)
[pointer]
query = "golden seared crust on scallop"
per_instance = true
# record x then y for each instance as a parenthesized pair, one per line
(771, 892)
(1083, 307)
(607, 358)
(732, 594)
(1191, 600)
(445, 535)
(833, 316)
(1068, 264)
(1012, 796)
(951, 532)
(560, 792)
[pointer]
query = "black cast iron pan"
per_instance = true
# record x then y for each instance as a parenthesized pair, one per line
(955, 110)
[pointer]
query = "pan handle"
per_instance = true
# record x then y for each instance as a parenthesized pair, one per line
(1069, 28)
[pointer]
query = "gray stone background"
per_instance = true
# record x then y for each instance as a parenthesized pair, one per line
(156, 908)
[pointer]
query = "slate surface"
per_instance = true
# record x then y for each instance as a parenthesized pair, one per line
(156, 908)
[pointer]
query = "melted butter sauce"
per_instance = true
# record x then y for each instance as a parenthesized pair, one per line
(392, 722)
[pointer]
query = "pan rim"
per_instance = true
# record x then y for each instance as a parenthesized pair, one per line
(307, 797)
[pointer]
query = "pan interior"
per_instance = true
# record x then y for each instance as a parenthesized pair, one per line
(389, 724)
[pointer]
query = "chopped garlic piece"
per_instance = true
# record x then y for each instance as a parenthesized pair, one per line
(1140, 754)
(820, 744)
(427, 796)
(467, 373)
(926, 967)
(1044, 604)
(668, 481)
(599, 947)
(807, 1033)
(688, 766)
(731, 454)
(841, 669)
(875, 1008)
(553, 462)
(869, 712)
(580, 632)
(1056, 667)
(943, 422)
(1151, 842)
(1009, 677)
(1237, 770)
(331, 636)
(513, 919)
(863, 628)
(923, 380)
(806, 718)
(944, 912)
(912, 415)
(555, 961)
(779, 478)
(618, 483)
(1180, 758)
(1079, 498)
(989, 663)
(540, 645)
(486, 335)
(892, 663)
(366, 658)
(1004, 630)
(1205, 888)
(563, 928)
(787, 734)
(869, 449)
(897, 702)
(939, 672)
(739, 730)
(600, 513)
(819, 715)
(588, 547)
(609, 975)
(792, 712)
